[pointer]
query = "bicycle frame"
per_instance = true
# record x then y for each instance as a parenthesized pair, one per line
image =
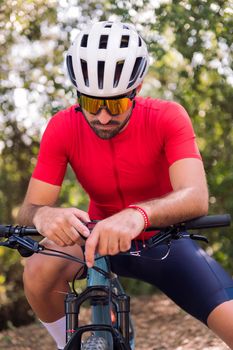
(103, 287)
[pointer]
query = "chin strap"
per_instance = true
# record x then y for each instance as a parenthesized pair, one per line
(78, 109)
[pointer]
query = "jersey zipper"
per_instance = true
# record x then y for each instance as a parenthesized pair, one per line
(116, 175)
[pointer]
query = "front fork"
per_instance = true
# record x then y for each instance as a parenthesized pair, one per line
(99, 296)
(72, 311)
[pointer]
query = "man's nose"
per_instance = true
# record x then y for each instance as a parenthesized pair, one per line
(104, 117)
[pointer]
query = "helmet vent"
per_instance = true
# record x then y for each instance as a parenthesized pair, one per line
(85, 72)
(139, 63)
(139, 41)
(125, 27)
(108, 25)
(103, 42)
(124, 41)
(84, 40)
(143, 69)
(101, 74)
(118, 70)
(70, 69)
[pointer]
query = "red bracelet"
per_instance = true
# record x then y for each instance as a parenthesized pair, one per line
(144, 214)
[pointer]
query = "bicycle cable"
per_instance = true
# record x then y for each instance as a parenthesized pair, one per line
(74, 279)
(67, 256)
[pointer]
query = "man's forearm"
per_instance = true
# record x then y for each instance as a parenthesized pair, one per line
(27, 212)
(176, 207)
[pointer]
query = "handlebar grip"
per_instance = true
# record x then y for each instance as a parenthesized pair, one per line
(3, 230)
(31, 231)
(8, 230)
(209, 221)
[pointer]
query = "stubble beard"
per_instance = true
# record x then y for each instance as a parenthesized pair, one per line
(106, 134)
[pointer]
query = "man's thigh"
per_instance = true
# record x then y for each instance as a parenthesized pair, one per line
(190, 277)
(54, 267)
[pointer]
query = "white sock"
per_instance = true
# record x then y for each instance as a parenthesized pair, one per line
(57, 330)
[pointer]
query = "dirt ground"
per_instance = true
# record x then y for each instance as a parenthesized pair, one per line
(160, 325)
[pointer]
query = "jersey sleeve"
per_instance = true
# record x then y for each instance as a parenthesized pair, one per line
(52, 159)
(179, 139)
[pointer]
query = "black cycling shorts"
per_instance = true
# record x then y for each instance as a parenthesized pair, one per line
(188, 276)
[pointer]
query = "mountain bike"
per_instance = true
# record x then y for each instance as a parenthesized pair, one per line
(111, 326)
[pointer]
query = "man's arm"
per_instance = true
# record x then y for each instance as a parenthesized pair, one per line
(39, 194)
(189, 199)
(61, 225)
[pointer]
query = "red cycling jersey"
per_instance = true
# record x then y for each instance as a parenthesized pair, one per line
(130, 167)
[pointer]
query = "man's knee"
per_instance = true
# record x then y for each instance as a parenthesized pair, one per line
(44, 272)
(33, 269)
(40, 272)
(217, 322)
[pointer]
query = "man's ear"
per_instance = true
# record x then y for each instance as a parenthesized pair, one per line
(138, 88)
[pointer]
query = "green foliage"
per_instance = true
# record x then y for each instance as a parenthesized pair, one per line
(190, 43)
(135, 287)
(72, 194)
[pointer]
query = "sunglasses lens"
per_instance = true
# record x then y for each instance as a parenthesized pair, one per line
(114, 107)
(118, 106)
(91, 105)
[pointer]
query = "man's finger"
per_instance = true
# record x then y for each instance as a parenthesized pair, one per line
(79, 226)
(90, 248)
(81, 215)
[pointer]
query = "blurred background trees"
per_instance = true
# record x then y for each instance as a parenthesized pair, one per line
(190, 43)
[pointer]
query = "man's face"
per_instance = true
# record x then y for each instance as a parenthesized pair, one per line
(106, 126)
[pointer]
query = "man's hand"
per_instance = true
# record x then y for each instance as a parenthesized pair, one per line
(114, 234)
(62, 225)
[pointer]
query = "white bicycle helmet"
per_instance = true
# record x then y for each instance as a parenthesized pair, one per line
(107, 59)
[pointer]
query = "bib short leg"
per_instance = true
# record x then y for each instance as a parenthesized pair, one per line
(188, 276)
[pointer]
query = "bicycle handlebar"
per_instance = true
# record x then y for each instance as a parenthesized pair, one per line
(209, 221)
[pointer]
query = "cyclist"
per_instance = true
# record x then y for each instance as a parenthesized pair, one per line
(138, 161)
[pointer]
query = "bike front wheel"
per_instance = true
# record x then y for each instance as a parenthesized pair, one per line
(95, 343)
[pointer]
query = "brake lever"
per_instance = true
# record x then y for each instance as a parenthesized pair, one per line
(199, 238)
(26, 246)
(161, 237)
